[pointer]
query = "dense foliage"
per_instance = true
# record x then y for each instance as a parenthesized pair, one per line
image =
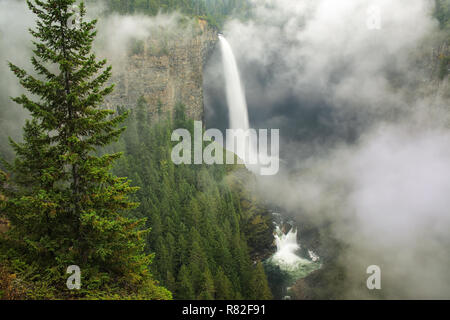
(203, 232)
(62, 204)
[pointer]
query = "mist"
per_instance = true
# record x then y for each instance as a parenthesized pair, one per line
(15, 46)
(364, 132)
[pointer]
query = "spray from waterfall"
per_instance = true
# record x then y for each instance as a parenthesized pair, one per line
(287, 247)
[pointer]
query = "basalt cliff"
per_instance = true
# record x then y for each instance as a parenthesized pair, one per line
(165, 69)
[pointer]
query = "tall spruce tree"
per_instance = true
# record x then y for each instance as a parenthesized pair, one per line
(64, 206)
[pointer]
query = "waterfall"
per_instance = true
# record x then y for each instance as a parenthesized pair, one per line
(237, 104)
(287, 247)
(286, 258)
(237, 108)
(292, 263)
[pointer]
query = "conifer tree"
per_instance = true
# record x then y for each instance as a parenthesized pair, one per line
(223, 286)
(64, 205)
(207, 290)
(259, 285)
(185, 290)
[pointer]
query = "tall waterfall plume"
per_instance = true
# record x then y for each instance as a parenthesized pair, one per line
(237, 104)
(237, 108)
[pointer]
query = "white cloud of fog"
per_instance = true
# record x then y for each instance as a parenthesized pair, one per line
(386, 193)
(325, 46)
(15, 46)
(15, 19)
(396, 208)
(116, 33)
(387, 199)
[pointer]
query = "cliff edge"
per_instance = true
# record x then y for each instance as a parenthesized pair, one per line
(166, 69)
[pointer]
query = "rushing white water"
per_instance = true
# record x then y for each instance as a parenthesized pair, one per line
(237, 108)
(235, 93)
(288, 258)
(287, 247)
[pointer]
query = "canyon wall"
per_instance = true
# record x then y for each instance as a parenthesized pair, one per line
(165, 70)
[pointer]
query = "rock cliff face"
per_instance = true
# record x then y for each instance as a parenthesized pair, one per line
(165, 70)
